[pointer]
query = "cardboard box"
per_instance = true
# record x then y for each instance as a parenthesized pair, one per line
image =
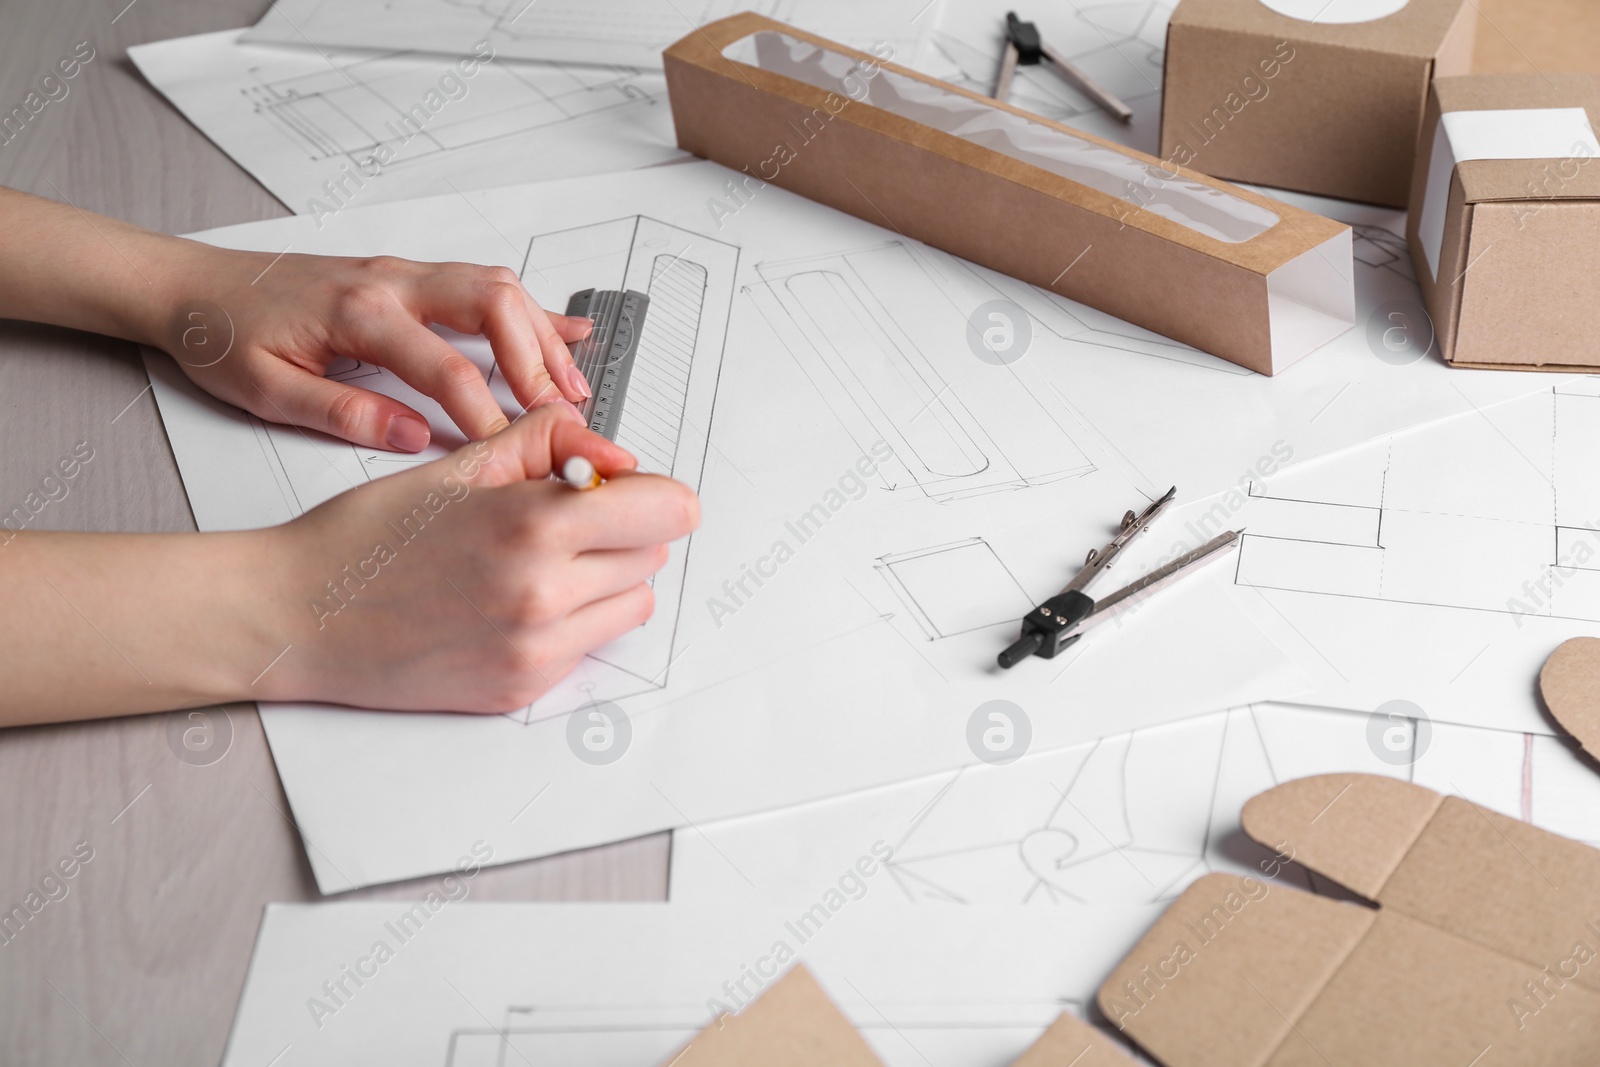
(1506, 232)
(1486, 935)
(1224, 269)
(1529, 36)
(1329, 107)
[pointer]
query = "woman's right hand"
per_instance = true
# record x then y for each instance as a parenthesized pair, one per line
(474, 582)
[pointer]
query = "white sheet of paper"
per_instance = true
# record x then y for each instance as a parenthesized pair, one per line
(798, 317)
(323, 130)
(1126, 820)
(1439, 566)
(605, 32)
(627, 985)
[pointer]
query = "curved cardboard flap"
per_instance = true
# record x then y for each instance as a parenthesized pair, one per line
(1352, 828)
(1570, 682)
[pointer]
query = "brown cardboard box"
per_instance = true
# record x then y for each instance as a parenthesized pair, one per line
(1530, 36)
(1486, 936)
(1505, 234)
(1323, 107)
(1227, 270)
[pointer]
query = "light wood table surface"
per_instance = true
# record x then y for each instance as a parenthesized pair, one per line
(142, 961)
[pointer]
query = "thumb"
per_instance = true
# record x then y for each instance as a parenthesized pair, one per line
(543, 439)
(296, 396)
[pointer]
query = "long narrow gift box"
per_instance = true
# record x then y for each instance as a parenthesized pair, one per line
(1229, 271)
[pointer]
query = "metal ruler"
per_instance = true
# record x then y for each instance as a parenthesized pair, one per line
(606, 356)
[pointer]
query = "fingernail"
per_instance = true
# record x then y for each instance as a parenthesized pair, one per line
(570, 408)
(580, 384)
(407, 435)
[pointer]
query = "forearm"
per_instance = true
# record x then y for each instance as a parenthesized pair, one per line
(111, 624)
(74, 268)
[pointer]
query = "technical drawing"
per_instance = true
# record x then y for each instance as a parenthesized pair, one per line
(954, 588)
(1497, 541)
(1127, 819)
(574, 31)
(1377, 247)
(665, 423)
(690, 281)
(351, 106)
(886, 347)
(647, 1033)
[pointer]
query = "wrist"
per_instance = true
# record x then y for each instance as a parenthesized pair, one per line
(185, 278)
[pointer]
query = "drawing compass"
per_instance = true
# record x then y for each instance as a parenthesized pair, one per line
(1024, 47)
(1061, 620)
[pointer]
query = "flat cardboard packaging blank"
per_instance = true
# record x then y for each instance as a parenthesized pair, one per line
(1338, 117)
(791, 1024)
(1484, 947)
(1226, 270)
(1507, 247)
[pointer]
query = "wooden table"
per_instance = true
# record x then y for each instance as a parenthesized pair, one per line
(142, 961)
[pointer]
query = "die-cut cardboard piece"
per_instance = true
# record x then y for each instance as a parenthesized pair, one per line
(792, 1023)
(1071, 1042)
(1570, 683)
(1484, 946)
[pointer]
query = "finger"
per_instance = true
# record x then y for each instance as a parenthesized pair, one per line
(605, 620)
(431, 365)
(539, 442)
(558, 361)
(290, 394)
(532, 356)
(633, 512)
(571, 327)
(597, 575)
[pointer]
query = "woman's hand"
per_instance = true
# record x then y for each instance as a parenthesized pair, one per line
(265, 344)
(472, 583)
(260, 330)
